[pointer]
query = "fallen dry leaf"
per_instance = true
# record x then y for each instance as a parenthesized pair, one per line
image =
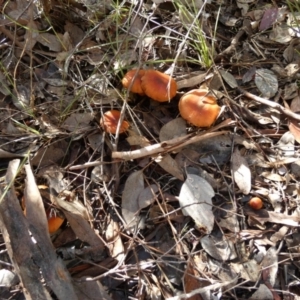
(241, 172)
(267, 82)
(114, 241)
(170, 165)
(195, 199)
(147, 196)
(220, 249)
(130, 207)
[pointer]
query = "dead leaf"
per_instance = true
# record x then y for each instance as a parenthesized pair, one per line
(75, 32)
(281, 34)
(157, 213)
(241, 172)
(130, 207)
(55, 176)
(76, 215)
(57, 82)
(35, 211)
(295, 104)
(266, 81)
(78, 121)
(249, 75)
(53, 42)
(218, 147)
(248, 270)
(223, 271)
(293, 24)
(262, 293)
(50, 155)
(136, 27)
(289, 53)
(147, 196)
(286, 145)
(294, 128)
(268, 18)
(96, 142)
(170, 165)
(115, 244)
(229, 79)
(262, 216)
(192, 282)
(270, 266)
(195, 199)
(173, 129)
(125, 59)
(192, 81)
(31, 35)
(273, 176)
(21, 97)
(136, 139)
(221, 249)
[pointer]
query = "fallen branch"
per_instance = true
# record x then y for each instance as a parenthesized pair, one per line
(171, 145)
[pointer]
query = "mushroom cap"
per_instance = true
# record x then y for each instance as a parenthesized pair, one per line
(136, 86)
(54, 223)
(109, 122)
(158, 86)
(256, 203)
(199, 108)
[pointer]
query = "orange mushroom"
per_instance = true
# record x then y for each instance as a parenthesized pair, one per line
(158, 86)
(54, 223)
(255, 203)
(109, 122)
(199, 108)
(136, 85)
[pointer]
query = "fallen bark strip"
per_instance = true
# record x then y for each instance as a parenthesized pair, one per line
(174, 144)
(18, 242)
(36, 261)
(52, 267)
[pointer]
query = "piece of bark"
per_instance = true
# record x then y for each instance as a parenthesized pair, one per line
(20, 247)
(29, 247)
(53, 269)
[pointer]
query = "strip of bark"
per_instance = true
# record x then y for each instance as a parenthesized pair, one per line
(31, 253)
(53, 270)
(18, 242)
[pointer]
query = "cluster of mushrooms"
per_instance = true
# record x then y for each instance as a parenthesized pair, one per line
(197, 107)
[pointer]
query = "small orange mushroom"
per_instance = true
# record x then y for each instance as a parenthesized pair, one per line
(199, 108)
(255, 203)
(109, 122)
(54, 223)
(158, 86)
(136, 85)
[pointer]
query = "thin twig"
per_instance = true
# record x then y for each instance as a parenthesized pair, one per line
(171, 145)
(270, 103)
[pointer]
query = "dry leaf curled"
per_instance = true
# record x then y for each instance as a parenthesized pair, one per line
(195, 200)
